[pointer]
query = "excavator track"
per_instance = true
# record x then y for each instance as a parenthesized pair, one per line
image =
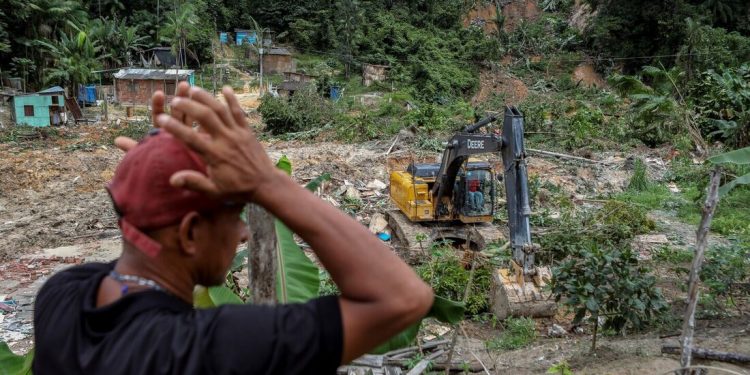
(407, 234)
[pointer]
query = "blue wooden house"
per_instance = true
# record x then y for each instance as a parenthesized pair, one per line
(44, 108)
(244, 36)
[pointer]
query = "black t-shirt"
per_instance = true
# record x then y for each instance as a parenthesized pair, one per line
(153, 332)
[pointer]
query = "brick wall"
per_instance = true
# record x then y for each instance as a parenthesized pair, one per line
(139, 92)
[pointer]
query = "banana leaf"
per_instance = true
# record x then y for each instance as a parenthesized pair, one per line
(12, 364)
(297, 278)
(740, 157)
(204, 298)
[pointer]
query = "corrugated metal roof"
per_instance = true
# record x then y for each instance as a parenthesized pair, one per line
(278, 51)
(52, 90)
(155, 74)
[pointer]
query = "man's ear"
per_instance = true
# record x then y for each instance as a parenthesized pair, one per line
(187, 231)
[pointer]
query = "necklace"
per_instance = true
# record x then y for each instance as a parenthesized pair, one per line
(142, 281)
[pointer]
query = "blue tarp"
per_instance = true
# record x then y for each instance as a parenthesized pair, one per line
(87, 94)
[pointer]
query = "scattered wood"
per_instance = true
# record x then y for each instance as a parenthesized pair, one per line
(261, 246)
(563, 156)
(688, 325)
(433, 352)
(713, 355)
(392, 144)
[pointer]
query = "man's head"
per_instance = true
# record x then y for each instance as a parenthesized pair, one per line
(171, 226)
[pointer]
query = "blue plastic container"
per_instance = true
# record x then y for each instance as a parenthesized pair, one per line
(335, 93)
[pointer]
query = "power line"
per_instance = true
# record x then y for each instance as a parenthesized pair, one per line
(361, 60)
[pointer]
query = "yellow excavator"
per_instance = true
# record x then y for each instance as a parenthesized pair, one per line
(455, 200)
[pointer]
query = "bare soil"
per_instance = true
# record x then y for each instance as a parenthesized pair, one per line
(54, 212)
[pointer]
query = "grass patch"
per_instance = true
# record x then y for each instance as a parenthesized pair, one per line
(519, 333)
(732, 217)
(668, 254)
(652, 197)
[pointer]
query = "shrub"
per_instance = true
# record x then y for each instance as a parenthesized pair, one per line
(722, 100)
(607, 282)
(303, 111)
(448, 277)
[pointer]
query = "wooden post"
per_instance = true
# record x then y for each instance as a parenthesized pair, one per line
(688, 324)
(261, 255)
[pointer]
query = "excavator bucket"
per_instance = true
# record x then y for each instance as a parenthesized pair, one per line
(519, 291)
(512, 295)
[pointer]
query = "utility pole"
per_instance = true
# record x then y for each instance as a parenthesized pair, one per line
(260, 52)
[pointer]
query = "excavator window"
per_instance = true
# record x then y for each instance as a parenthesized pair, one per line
(478, 193)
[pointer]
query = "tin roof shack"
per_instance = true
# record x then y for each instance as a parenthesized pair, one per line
(40, 109)
(278, 60)
(134, 86)
(374, 73)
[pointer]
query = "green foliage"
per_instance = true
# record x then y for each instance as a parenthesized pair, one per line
(12, 364)
(672, 255)
(726, 268)
(639, 181)
(655, 112)
(550, 34)
(297, 279)
(609, 283)
(519, 333)
(449, 278)
(303, 111)
(562, 368)
(722, 100)
(738, 157)
(707, 47)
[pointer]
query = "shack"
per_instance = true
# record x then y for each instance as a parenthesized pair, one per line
(44, 108)
(278, 60)
(243, 36)
(373, 73)
(134, 86)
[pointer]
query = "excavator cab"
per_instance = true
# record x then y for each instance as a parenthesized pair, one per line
(474, 192)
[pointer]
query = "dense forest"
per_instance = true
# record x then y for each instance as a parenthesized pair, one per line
(696, 45)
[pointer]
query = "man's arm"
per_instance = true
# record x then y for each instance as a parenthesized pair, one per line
(380, 294)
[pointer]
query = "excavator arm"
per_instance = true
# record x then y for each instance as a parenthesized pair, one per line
(511, 146)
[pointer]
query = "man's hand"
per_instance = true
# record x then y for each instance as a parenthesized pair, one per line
(237, 165)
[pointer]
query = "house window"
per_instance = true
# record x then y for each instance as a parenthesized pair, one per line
(55, 100)
(170, 88)
(28, 110)
(132, 87)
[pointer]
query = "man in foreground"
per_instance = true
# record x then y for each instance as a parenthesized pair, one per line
(179, 194)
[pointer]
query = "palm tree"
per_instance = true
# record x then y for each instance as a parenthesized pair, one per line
(180, 26)
(76, 57)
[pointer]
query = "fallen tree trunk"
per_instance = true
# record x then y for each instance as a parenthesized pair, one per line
(713, 355)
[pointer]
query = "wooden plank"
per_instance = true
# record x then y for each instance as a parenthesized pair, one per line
(713, 355)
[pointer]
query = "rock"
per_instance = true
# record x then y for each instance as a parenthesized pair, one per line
(352, 193)
(556, 330)
(378, 223)
(644, 244)
(673, 187)
(376, 185)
